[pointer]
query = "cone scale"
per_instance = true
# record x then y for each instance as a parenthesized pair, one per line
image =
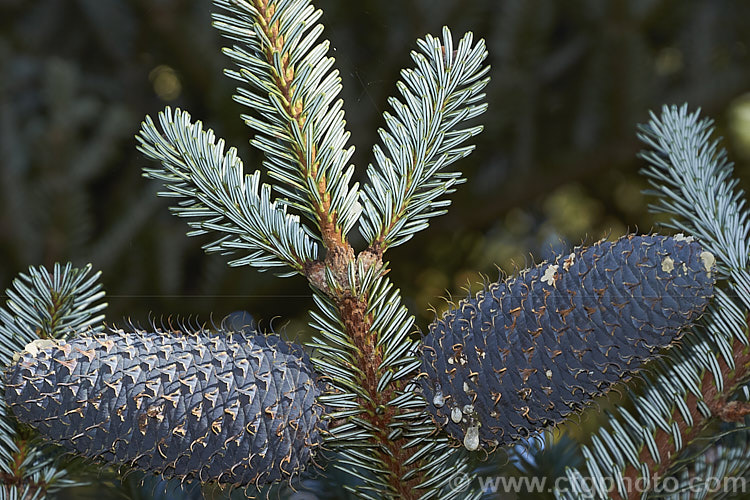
(230, 407)
(527, 352)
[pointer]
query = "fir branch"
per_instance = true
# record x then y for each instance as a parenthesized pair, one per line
(49, 305)
(366, 353)
(685, 396)
(291, 89)
(696, 385)
(381, 426)
(423, 138)
(363, 348)
(692, 180)
(216, 195)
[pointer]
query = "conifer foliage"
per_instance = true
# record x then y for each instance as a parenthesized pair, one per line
(399, 414)
(702, 384)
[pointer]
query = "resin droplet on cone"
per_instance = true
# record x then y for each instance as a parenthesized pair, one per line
(525, 353)
(230, 407)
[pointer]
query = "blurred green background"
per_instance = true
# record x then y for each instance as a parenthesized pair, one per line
(556, 165)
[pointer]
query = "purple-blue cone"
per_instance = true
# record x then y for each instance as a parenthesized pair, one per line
(527, 352)
(230, 407)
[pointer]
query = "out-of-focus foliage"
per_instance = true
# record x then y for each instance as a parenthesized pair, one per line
(77, 78)
(555, 166)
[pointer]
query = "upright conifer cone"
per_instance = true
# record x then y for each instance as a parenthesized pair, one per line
(525, 353)
(229, 407)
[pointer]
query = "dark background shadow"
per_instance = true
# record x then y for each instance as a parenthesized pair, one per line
(555, 166)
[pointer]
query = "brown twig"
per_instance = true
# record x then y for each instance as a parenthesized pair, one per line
(352, 307)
